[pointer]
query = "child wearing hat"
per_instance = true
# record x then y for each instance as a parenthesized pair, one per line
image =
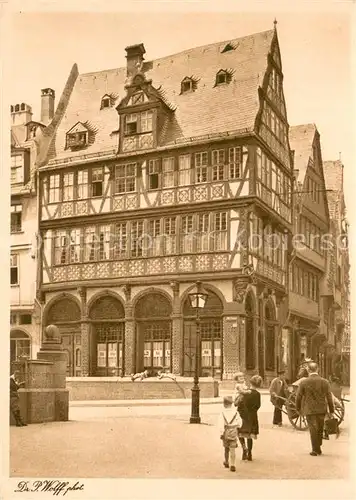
(229, 423)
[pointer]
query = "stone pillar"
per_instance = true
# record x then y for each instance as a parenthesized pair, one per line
(177, 333)
(85, 340)
(52, 350)
(85, 333)
(129, 349)
(231, 359)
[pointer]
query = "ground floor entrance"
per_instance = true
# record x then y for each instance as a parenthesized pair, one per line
(110, 337)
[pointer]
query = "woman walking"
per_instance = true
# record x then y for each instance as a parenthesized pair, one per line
(248, 407)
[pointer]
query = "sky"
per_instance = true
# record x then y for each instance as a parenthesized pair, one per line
(315, 48)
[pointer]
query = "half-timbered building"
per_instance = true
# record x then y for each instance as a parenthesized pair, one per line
(309, 303)
(159, 174)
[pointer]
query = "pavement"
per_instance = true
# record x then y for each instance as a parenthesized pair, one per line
(135, 441)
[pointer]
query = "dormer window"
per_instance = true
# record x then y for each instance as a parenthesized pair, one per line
(77, 140)
(108, 100)
(131, 124)
(136, 123)
(105, 102)
(186, 85)
(78, 136)
(222, 77)
(229, 46)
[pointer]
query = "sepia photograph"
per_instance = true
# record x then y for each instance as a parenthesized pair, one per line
(180, 203)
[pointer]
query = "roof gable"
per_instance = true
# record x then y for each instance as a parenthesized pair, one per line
(305, 141)
(77, 128)
(209, 110)
(301, 138)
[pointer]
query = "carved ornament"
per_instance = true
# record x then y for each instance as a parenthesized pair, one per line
(239, 290)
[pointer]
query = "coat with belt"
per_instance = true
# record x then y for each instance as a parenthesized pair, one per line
(248, 407)
(314, 396)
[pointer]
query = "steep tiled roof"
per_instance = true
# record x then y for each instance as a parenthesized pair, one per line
(208, 109)
(301, 139)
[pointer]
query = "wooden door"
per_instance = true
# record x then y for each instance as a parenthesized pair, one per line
(71, 342)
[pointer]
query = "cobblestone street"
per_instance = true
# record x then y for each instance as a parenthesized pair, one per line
(159, 442)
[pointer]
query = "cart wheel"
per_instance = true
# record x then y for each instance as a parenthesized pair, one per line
(340, 413)
(298, 421)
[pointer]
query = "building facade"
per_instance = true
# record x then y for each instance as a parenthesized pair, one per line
(308, 318)
(339, 358)
(154, 176)
(24, 317)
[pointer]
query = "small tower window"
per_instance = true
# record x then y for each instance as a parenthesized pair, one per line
(17, 107)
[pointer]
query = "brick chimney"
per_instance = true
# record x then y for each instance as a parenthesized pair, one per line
(47, 105)
(134, 58)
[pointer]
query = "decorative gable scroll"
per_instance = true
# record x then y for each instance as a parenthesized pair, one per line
(80, 136)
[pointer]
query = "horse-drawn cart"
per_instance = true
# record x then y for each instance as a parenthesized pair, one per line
(299, 421)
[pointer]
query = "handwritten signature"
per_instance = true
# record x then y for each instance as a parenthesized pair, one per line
(53, 486)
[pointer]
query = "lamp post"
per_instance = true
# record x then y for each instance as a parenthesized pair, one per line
(197, 301)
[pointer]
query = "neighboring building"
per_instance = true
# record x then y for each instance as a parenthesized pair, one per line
(308, 321)
(158, 175)
(339, 358)
(24, 315)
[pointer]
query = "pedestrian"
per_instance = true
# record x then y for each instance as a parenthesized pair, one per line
(229, 423)
(15, 399)
(279, 393)
(241, 388)
(248, 407)
(303, 368)
(313, 399)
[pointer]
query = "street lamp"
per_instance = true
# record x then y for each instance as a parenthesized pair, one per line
(197, 301)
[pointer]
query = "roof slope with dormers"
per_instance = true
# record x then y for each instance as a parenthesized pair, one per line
(209, 109)
(301, 138)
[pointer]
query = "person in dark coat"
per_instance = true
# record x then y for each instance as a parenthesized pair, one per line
(248, 407)
(279, 393)
(14, 399)
(313, 399)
